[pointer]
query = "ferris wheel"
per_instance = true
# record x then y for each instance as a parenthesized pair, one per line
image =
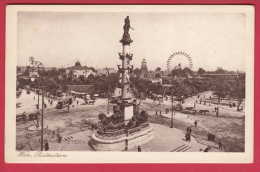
(184, 56)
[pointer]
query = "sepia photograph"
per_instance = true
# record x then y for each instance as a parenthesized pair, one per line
(131, 81)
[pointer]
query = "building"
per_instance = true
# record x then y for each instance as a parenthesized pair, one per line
(144, 73)
(153, 76)
(78, 71)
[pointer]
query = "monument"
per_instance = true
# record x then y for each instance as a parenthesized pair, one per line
(127, 128)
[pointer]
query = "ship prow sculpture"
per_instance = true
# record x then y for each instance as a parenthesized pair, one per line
(127, 128)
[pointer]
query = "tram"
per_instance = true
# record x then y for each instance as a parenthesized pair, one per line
(64, 102)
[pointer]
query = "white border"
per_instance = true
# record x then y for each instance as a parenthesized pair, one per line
(11, 156)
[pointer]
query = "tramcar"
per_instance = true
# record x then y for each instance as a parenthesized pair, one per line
(64, 102)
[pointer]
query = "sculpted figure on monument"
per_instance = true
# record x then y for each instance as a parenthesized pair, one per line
(126, 36)
(127, 25)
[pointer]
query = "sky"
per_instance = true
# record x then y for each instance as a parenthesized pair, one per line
(59, 39)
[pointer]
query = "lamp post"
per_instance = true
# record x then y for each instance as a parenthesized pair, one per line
(42, 119)
(38, 91)
(38, 95)
(172, 114)
(126, 139)
(38, 107)
(38, 64)
(108, 91)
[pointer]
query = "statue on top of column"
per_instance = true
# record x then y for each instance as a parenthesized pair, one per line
(126, 40)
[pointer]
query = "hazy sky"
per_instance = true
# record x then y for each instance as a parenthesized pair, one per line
(60, 38)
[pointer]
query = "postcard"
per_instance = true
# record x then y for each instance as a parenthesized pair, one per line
(129, 84)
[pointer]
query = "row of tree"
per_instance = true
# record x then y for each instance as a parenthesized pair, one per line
(185, 87)
(181, 84)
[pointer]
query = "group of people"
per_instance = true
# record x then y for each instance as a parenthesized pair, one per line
(50, 100)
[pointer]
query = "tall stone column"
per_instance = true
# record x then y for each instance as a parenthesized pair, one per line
(125, 70)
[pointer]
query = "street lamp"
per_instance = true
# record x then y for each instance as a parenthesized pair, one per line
(108, 90)
(38, 64)
(126, 139)
(42, 119)
(38, 106)
(172, 114)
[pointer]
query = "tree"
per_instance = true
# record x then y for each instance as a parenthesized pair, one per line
(220, 70)
(187, 72)
(50, 84)
(221, 88)
(158, 69)
(90, 78)
(238, 90)
(137, 72)
(178, 89)
(201, 71)
(104, 84)
(176, 72)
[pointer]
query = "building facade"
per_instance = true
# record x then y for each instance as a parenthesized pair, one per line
(78, 71)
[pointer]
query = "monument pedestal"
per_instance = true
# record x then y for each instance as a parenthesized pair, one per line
(118, 142)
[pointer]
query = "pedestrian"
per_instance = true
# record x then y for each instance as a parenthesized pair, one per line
(139, 148)
(126, 144)
(59, 138)
(217, 112)
(190, 130)
(220, 146)
(187, 136)
(46, 146)
(77, 102)
(195, 123)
